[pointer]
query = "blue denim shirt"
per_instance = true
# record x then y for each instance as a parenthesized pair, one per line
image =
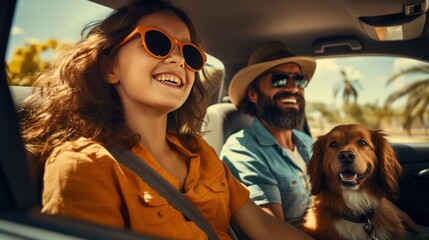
(259, 162)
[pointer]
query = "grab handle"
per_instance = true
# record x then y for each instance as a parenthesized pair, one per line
(422, 174)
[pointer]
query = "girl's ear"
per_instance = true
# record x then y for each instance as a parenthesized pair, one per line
(111, 72)
(112, 78)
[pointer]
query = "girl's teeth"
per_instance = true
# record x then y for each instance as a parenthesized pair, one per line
(169, 79)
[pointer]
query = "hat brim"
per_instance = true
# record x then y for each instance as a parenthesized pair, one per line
(242, 79)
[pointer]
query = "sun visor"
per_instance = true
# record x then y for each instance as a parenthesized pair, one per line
(394, 29)
(406, 25)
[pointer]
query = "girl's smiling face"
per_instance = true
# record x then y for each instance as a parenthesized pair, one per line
(147, 84)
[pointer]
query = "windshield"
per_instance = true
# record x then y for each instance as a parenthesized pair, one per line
(388, 93)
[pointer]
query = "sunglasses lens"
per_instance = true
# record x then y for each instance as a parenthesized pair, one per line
(157, 43)
(279, 80)
(301, 81)
(160, 45)
(193, 57)
(302, 84)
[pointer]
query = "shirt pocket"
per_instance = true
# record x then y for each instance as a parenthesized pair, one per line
(212, 197)
(155, 209)
(217, 186)
(290, 183)
(294, 197)
(211, 187)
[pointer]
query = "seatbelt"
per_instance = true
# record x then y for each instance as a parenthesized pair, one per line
(164, 188)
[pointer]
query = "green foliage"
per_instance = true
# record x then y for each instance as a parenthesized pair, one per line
(370, 115)
(331, 115)
(26, 62)
(355, 113)
(374, 116)
(417, 94)
(349, 89)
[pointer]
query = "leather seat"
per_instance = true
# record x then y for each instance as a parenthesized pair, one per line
(223, 120)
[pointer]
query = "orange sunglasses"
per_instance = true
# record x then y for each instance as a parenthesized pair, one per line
(160, 45)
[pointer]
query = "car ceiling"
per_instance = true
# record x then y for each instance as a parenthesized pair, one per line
(230, 29)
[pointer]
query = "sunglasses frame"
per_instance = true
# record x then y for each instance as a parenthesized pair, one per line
(289, 76)
(142, 30)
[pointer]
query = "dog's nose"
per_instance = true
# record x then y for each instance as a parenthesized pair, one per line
(347, 157)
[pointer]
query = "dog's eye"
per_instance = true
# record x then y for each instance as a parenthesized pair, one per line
(362, 143)
(333, 144)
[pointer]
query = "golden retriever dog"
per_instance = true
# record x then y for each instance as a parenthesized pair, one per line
(353, 172)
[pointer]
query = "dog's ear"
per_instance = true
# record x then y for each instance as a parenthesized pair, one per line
(389, 167)
(315, 167)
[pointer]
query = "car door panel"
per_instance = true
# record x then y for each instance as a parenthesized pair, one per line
(414, 182)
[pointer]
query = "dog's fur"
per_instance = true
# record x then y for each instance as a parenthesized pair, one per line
(350, 149)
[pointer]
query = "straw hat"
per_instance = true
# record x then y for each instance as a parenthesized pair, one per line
(265, 57)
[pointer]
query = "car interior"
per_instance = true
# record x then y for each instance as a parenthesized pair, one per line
(321, 29)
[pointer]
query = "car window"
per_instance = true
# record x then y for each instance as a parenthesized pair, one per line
(375, 91)
(388, 93)
(41, 28)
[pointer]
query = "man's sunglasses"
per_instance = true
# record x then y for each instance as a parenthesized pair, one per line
(160, 45)
(280, 80)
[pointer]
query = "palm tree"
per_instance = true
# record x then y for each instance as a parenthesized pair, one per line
(349, 88)
(417, 93)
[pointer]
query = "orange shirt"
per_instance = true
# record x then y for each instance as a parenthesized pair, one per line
(82, 180)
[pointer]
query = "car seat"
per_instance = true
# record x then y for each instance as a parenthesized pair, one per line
(223, 120)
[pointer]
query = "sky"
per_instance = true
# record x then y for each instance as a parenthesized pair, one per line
(372, 74)
(31, 25)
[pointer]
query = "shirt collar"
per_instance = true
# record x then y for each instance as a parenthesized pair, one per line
(265, 138)
(172, 139)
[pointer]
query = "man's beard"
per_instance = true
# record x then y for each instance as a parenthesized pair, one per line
(274, 116)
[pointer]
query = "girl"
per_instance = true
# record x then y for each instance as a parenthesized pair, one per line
(134, 80)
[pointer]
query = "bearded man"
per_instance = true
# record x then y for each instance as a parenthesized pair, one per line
(270, 156)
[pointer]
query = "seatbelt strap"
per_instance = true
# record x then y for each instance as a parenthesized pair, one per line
(164, 188)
